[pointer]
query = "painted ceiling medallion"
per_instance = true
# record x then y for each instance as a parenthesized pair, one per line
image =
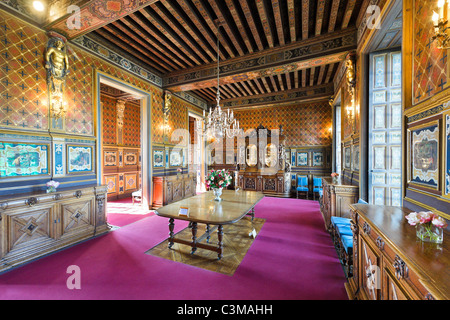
(111, 9)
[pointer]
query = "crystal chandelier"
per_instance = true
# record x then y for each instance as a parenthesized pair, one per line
(220, 124)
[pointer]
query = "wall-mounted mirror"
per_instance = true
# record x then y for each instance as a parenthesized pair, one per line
(271, 155)
(252, 155)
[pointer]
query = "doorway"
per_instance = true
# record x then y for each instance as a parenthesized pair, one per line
(196, 153)
(123, 140)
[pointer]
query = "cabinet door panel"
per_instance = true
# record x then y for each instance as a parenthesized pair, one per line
(29, 228)
(392, 291)
(370, 271)
(76, 217)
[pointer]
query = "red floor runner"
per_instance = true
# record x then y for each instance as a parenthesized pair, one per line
(291, 258)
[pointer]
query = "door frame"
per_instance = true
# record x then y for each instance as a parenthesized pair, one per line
(146, 132)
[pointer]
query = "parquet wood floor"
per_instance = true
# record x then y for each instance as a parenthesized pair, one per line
(236, 242)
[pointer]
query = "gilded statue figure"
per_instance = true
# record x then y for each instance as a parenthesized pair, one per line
(351, 77)
(167, 105)
(56, 63)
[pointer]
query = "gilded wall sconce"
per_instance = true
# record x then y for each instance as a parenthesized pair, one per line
(441, 28)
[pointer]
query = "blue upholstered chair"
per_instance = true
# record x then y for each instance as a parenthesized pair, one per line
(302, 185)
(317, 187)
(347, 253)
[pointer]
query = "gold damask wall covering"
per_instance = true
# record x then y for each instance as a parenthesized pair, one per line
(303, 124)
(24, 103)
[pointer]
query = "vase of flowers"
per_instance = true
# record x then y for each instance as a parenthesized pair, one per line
(217, 180)
(335, 176)
(429, 226)
(51, 186)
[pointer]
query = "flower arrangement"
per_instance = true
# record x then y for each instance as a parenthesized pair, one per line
(429, 226)
(335, 174)
(52, 185)
(218, 179)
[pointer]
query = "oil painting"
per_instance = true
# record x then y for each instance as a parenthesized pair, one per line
(23, 159)
(425, 156)
(79, 159)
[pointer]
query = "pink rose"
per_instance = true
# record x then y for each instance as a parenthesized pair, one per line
(439, 222)
(425, 217)
(413, 218)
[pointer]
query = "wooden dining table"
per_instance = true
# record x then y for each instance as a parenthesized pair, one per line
(235, 204)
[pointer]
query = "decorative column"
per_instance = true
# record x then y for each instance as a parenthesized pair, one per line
(120, 109)
(166, 113)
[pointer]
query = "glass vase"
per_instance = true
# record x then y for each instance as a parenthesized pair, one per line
(429, 233)
(217, 193)
(51, 189)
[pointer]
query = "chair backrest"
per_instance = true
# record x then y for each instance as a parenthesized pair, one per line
(317, 182)
(302, 181)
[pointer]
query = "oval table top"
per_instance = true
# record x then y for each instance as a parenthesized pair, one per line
(204, 209)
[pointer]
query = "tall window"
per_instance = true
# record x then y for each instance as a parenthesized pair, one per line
(385, 129)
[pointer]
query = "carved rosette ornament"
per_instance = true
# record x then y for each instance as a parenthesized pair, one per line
(380, 243)
(31, 201)
(366, 228)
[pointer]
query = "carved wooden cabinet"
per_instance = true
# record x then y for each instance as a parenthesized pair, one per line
(262, 163)
(34, 225)
(336, 200)
(168, 189)
(390, 263)
(278, 184)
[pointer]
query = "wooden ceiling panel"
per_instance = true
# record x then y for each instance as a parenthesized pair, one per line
(178, 40)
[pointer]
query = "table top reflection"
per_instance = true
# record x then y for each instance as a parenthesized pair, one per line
(204, 209)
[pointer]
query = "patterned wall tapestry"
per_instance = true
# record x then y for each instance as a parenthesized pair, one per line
(131, 122)
(430, 63)
(109, 119)
(132, 125)
(157, 115)
(306, 124)
(23, 86)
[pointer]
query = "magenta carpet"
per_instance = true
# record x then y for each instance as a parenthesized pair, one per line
(292, 258)
(123, 212)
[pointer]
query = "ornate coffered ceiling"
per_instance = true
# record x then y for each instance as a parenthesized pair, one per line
(268, 48)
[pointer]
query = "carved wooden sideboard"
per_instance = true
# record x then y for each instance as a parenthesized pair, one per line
(390, 263)
(337, 196)
(169, 189)
(277, 185)
(33, 225)
(262, 163)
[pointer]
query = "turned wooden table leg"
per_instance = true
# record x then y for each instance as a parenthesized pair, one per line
(253, 213)
(171, 225)
(208, 230)
(194, 237)
(220, 243)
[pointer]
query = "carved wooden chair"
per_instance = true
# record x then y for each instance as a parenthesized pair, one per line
(302, 185)
(317, 187)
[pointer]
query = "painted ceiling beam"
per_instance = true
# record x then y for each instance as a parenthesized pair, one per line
(92, 15)
(317, 51)
(307, 94)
